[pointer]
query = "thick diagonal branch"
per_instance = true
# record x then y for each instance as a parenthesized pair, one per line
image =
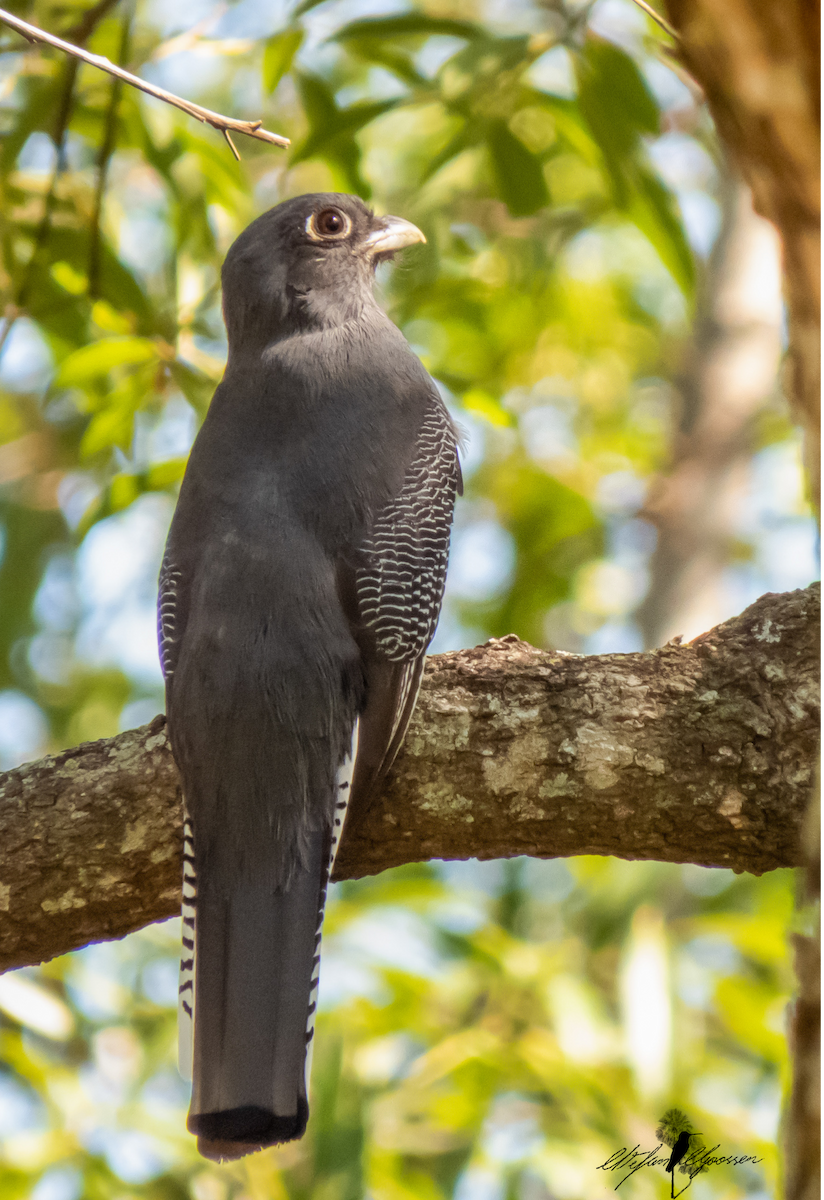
(700, 753)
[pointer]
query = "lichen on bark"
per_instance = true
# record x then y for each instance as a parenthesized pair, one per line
(696, 753)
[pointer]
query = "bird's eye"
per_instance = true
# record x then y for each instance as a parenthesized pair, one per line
(328, 223)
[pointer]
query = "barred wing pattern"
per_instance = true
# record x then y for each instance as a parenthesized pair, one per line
(167, 587)
(400, 588)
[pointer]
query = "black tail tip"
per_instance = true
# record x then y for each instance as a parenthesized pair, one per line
(223, 1136)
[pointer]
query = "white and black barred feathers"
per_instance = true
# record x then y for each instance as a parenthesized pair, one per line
(343, 793)
(167, 587)
(400, 587)
(186, 986)
(167, 600)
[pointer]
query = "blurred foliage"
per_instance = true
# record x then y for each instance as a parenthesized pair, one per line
(550, 303)
(479, 1039)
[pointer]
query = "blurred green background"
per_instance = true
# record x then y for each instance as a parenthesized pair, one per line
(488, 1031)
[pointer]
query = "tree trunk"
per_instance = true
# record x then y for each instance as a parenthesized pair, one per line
(759, 63)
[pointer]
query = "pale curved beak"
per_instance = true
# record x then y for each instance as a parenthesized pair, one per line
(392, 233)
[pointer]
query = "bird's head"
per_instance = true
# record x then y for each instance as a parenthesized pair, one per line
(307, 264)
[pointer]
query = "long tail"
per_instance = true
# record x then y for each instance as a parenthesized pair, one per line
(249, 982)
(257, 969)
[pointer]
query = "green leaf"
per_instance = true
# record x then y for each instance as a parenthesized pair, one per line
(391, 55)
(614, 98)
(318, 101)
(27, 534)
(351, 120)
(278, 55)
(571, 127)
(410, 25)
(518, 172)
(652, 209)
(477, 71)
(196, 387)
(112, 427)
(91, 362)
(466, 137)
(123, 491)
(163, 475)
(328, 122)
(41, 95)
(619, 109)
(117, 284)
(332, 130)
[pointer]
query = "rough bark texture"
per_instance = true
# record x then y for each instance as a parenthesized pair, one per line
(758, 62)
(728, 376)
(700, 753)
(90, 845)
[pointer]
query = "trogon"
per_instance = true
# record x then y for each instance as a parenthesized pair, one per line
(300, 587)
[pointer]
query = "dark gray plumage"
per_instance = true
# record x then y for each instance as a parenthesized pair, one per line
(300, 587)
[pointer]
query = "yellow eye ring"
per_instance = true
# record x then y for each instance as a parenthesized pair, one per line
(328, 225)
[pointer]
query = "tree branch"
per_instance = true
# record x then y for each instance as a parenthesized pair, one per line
(657, 18)
(700, 753)
(226, 125)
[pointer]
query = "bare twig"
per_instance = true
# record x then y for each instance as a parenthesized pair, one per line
(657, 18)
(224, 125)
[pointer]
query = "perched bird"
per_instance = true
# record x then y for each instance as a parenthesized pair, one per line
(300, 587)
(680, 1149)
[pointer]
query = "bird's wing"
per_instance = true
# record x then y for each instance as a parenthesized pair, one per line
(170, 622)
(168, 614)
(399, 586)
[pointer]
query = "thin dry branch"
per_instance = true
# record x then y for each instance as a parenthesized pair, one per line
(225, 125)
(657, 18)
(700, 753)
